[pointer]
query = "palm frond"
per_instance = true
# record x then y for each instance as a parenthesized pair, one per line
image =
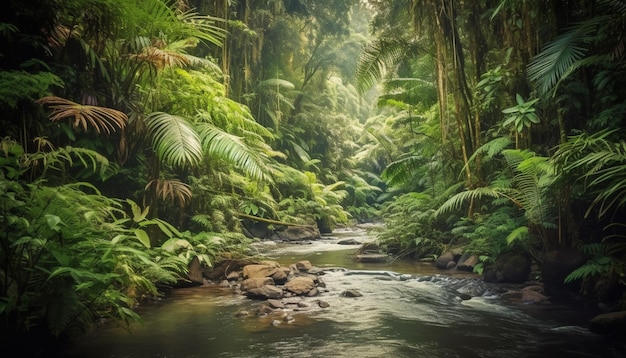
(376, 60)
(101, 119)
(225, 146)
(556, 58)
(174, 139)
(170, 189)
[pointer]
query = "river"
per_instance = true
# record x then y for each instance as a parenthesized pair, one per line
(408, 309)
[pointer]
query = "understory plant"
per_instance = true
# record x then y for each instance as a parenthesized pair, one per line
(411, 228)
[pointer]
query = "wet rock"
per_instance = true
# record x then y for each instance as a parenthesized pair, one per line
(351, 293)
(300, 285)
(323, 304)
(288, 318)
(533, 297)
(348, 242)
(233, 276)
(265, 292)
(276, 323)
(556, 265)
(280, 276)
(313, 292)
(298, 233)
(194, 271)
(242, 314)
(224, 268)
(275, 303)
(303, 266)
(467, 262)
(509, 267)
(609, 323)
(443, 261)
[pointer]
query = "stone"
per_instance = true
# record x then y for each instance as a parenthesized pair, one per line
(298, 233)
(313, 292)
(509, 267)
(304, 265)
(254, 271)
(533, 297)
(265, 292)
(233, 276)
(323, 304)
(348, 242)
(256, 282)
(300, 285)
(242, 314)
(275, 303)
(467, 262)
(555, 266)
(194, 273)
(224, 268)
(444, 259)
(351, 293)
(279, 276)
(609, 323)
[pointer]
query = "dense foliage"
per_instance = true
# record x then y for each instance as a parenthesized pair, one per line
(523, 149)
(138, 135)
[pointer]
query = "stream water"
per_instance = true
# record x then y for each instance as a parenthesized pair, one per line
(407, 309)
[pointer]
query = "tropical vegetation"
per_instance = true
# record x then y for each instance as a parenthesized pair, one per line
(140, 135)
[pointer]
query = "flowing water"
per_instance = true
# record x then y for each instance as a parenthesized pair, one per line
(407, 309)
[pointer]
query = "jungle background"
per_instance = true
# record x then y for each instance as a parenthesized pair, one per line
(139, 135)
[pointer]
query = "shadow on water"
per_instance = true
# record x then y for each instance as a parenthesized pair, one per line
(406, 310)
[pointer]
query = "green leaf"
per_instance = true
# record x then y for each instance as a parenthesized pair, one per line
(142, 236)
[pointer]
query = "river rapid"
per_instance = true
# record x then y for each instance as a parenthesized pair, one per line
(408, 309)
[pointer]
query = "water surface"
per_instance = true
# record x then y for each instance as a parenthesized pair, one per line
(407, 309)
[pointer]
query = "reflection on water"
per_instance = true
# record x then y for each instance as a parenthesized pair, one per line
(397, 316)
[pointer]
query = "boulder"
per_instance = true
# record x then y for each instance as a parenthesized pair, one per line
(444, 260)
(300, 285)
(265, 292)
(533, 297)
(304, 265)
(223, 268)
(280, 276)
(194, 273)
(233, 276)
(609, 323)
(256, 282)
(253, 271)
(556, 265)
(467, 262)
(298, 233)
(510, 267)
